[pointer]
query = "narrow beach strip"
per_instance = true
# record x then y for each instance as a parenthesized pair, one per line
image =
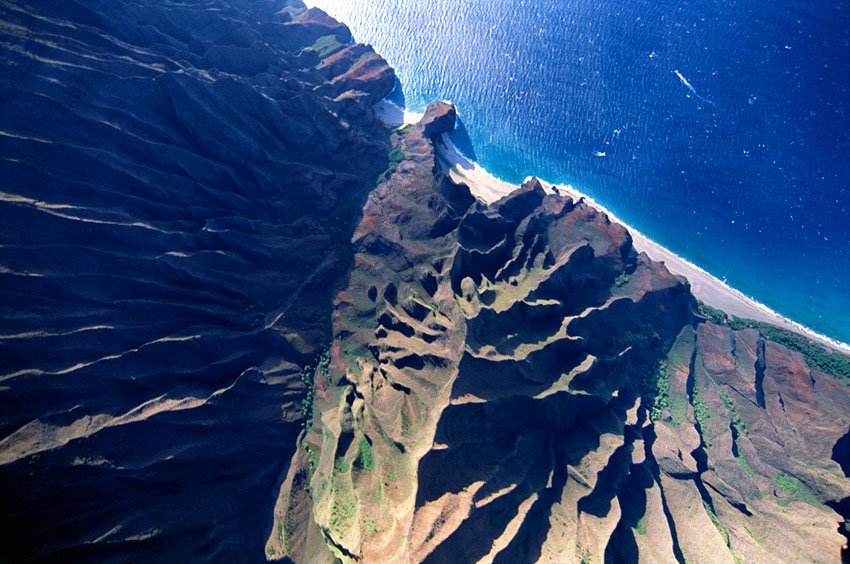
(706, 287)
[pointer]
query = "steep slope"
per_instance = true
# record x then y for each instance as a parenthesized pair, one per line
(513, 383)
(179, 184)
(221, 340)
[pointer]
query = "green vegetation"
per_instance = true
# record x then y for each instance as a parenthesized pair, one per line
(283, 531)
(341, 466)
(739, 429)
(278, 531)
(405, 424)
(794, 489)
(309, 375)
(635, 336)
(343, 509)
(666, 398)
(748, 470)
(678, 410)
(326, 45)
(621, 280)
(311, 464)
(758, 538)
(371, 526)
(389, 471)
(661, 389)
(701, 414)
(787, 483)
(737, 422)
(659, 396)
(720, 526)
(405, 129)
(324, 365)
(366, 460)
(342, 513)
(711, 313)
(816, 356)
(307, 400)
(395, 156)
(641, 525)
(700, 410)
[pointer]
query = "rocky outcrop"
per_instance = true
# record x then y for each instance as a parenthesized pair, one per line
(179, 185)
(514, 383)
(222, 341)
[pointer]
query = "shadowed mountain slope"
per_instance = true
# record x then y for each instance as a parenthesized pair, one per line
(179, 183)
(221, 340)
(513, 383)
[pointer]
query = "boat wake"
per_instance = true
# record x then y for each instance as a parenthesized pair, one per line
(691, 88)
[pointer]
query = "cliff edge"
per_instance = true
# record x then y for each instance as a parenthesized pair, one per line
(512, 382)
(244, 320)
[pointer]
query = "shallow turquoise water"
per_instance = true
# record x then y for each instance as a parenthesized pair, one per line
(724, 125)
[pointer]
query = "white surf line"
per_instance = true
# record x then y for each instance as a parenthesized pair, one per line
(393, 115)
(463, 170)
(704, 285)
(691, 88)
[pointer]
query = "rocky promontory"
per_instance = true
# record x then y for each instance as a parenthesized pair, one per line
(513, 382)
(244, 320)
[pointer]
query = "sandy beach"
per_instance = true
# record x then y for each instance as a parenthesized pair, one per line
(394, 115)
(704, 286)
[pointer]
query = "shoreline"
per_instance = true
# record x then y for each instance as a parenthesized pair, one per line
(394, 115)
(704, 286)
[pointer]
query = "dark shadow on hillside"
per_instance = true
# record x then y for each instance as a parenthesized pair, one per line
(461, 140)
(397, 94)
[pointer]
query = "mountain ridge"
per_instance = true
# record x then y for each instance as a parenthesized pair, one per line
(604, 344)
(224, 339)
(180, 181)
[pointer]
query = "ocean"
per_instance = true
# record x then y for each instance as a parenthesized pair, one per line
(717, 128)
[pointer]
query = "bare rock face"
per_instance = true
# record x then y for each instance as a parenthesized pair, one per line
(222, 341)
(180, 181)
(762, 453)
(439, 118)
(513, 383)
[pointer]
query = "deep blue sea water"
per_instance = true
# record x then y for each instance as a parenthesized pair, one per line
(745, 173)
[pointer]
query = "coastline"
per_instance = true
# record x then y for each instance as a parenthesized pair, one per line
(704, 286)
(394, 115)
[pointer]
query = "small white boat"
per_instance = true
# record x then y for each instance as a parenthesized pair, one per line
(599, 153)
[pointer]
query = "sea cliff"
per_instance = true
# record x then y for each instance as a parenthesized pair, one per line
(516, 371)
(246, 320)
